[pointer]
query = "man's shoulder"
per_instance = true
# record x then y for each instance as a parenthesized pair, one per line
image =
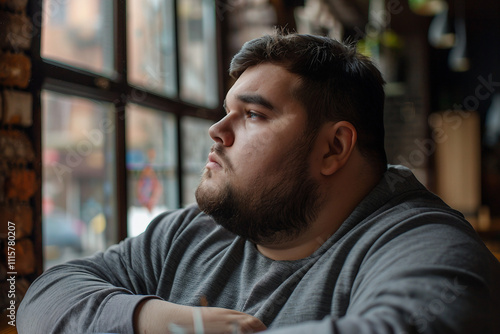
(416, 224)
(401, 193)
(402, 210)
(400, 198)
(421, 211)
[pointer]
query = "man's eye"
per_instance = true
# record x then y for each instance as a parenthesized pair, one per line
(253, 115)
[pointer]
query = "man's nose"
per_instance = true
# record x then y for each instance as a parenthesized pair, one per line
(222, 131)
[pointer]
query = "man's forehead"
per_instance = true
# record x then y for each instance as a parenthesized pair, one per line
(264, 83)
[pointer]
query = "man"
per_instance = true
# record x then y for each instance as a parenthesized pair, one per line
(300, 226)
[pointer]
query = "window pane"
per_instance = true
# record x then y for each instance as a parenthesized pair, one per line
(196, 144)
(151, 45)
(78, 188)
(198, 52)
(151, 165)
(79, 33)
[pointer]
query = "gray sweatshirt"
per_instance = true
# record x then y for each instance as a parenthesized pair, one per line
(402, 262)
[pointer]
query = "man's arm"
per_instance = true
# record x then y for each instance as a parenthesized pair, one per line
(111, 291)
(388, 313)
(99, 293)
(153, 317)
(451, 308)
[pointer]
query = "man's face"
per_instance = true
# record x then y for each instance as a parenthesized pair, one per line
(257, 181)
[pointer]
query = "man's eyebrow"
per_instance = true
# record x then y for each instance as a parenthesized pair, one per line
(256, 99)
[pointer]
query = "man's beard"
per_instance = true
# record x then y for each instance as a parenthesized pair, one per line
(267, 213)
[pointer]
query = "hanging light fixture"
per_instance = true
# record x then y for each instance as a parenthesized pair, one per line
(440, 34)
(458, 59)
(427, 7)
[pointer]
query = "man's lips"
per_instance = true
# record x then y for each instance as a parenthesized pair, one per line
(213, 161)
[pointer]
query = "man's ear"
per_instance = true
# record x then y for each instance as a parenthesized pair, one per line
(341, 138)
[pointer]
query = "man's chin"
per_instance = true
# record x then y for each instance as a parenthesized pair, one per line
(207, 194)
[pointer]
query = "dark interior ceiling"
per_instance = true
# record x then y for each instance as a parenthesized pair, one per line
(355, 13)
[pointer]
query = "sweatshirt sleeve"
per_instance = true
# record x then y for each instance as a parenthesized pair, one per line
(420, 278)
(100, 293)
(428, 274)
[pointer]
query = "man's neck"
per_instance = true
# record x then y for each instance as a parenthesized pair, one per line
(343, 196)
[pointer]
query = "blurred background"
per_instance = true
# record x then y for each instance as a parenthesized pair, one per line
(107, 105)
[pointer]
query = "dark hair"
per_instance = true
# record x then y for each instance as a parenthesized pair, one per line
(337, 83)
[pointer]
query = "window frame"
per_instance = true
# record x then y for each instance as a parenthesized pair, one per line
(61, 78)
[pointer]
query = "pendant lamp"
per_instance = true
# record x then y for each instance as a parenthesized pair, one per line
(440, 33)
(458, 59)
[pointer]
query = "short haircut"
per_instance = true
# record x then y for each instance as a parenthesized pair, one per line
(337, 83)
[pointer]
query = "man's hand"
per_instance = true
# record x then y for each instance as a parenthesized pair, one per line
(154, 316)
(220, 320)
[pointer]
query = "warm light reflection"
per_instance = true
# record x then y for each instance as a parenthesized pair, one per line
(79, 33)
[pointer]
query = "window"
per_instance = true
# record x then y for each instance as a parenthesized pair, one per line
(151, 165)
(197, 51)
(151, 45)
(79, 33)
(128, 94)
(78, 199)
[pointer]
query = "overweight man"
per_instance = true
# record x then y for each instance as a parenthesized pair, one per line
(300, 225)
